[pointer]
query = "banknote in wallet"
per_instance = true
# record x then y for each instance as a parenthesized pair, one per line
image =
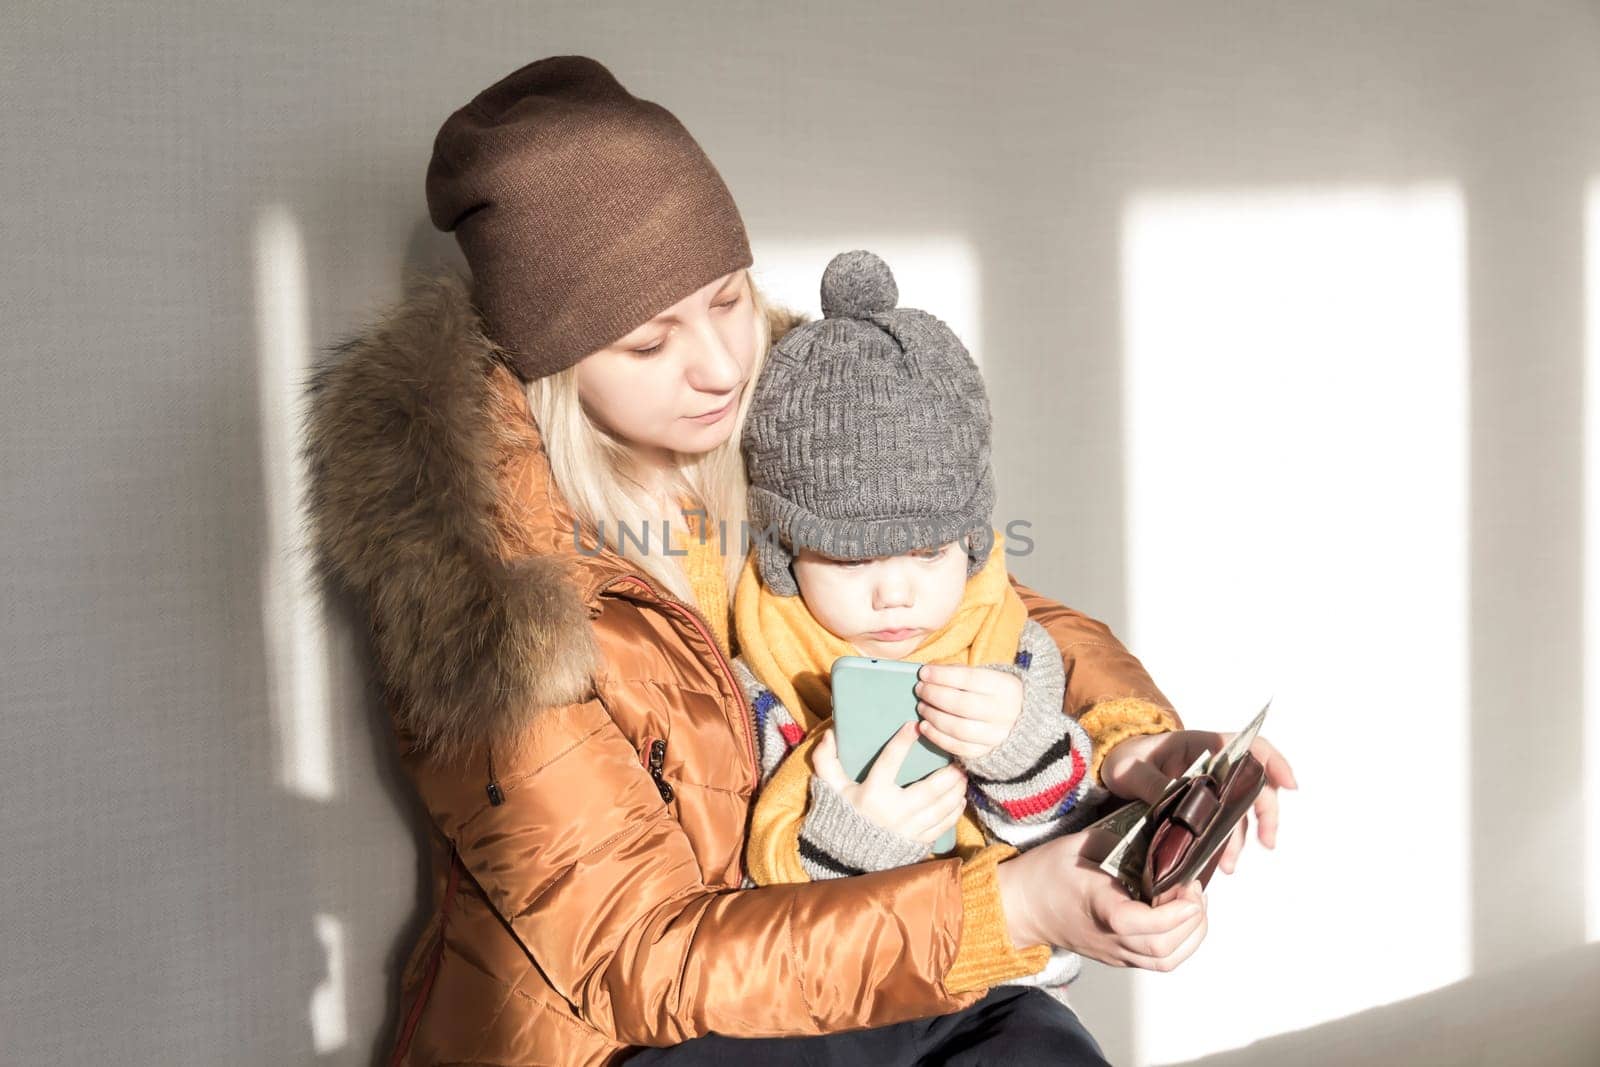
(1180, 837)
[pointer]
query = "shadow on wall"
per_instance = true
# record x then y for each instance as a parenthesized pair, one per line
(346, 613)
(1543, 1012)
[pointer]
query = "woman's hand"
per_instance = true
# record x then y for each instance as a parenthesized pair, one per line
(1142, 767)
(922, 811)
(967, 711)
(1054, 894)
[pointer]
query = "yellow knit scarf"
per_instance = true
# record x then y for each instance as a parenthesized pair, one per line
(792, 654)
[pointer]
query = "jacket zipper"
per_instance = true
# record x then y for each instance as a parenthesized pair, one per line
(655, 753)
(716, 650)
(497, 795)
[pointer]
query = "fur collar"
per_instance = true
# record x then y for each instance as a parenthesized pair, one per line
(431, 499)
(407, 444)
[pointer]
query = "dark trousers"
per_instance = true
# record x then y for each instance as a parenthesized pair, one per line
(1016, 1026)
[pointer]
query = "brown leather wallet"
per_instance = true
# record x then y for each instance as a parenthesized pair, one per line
(1192, 823)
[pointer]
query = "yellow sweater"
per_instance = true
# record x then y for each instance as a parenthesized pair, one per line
(703, 565)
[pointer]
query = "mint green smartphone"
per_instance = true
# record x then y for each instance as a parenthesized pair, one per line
(872, 698)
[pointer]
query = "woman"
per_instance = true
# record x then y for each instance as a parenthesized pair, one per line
(493, 466)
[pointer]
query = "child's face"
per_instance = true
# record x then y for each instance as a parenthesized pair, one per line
(856, 599)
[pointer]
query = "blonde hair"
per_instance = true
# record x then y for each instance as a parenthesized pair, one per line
(590, 467)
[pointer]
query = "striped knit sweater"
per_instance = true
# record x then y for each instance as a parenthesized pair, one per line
(1034, 786)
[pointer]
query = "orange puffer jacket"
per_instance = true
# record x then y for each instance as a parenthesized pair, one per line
(585, 754)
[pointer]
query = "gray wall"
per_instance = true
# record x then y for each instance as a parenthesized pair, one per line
(209, 855)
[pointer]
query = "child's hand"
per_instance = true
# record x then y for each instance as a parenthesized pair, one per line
(967, 711)
(922, 811)
(1142, 767)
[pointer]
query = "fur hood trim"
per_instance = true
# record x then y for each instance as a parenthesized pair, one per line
(407, 440)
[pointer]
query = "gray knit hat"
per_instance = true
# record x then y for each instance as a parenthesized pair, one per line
(867, 433)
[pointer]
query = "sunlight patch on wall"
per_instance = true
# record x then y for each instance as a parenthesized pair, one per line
(330, 1024)
(1297, 463)
(297, 673)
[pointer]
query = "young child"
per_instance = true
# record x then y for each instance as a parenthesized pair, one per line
(867, 446)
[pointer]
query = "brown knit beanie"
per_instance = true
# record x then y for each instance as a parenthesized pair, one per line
(583, 210)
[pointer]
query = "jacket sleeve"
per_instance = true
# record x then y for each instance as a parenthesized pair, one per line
(588, 867)
(1108, 690)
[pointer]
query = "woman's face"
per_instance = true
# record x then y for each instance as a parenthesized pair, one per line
(858, 599)
(674, 383)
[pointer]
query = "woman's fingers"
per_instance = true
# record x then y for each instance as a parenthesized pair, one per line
(1176, 758)
(1183, 891)
(1190, 946)
(1170, 959)
(1150, 951)
(1266, 809)
(1236, 839)
(1153, 940)
(1143, 780)
(1279, 773)
(1126, 917)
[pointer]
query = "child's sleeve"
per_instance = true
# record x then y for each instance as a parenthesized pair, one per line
(801, 828)
(1036, 784)
(776, 732)
(837, 841)
(1108, 690)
